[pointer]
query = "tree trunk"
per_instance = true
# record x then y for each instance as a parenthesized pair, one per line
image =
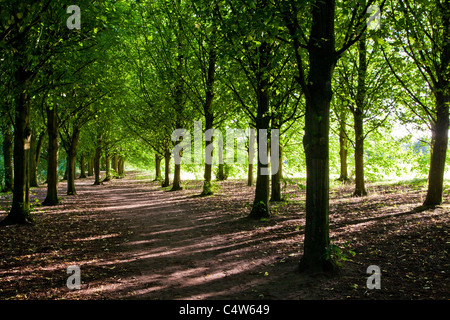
(8, 156)
(276, 179)
(343, 146)
(166, 182)
(82, 166)
(97, 158)
(358, 114)
(72, 164)
(209, 117)
(251, 157)
(66, 170)
(115, 163)
(158, 176)
(176, 185)
(90, 167)
(121, 167)
(322, 60)
(108, 167)
(33, 165)
(20, 209)
(260, 207)
(438, 150)
(52, 157)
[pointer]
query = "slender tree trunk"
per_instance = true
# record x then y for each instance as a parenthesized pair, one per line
(276, 179)
(33, 165)
(438, 150)
(358, 114)
(8, 138)
(209, 119)
(97, 158)
(108, 167)
(52, 157)
(343, 146)
(167, 156)
(82, 166)
(322, 60)
(115, 163)
(72, 164)
(158, 176)
(251, 157)
(260, 207)
(90, 167)
(35, 154)
(66, 170)
(20, 209)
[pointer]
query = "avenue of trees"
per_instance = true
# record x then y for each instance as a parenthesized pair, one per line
(338, 79)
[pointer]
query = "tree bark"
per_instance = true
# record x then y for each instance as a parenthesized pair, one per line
(167, 156)
(72, 163)
(276, 179)
(20, 209)
(82, 166)
(121, 167)
(52, 157)
(90, 170)
(260, 207)
(97, 158)
(8, 138)
(438, 150)
(251, 157)
(115, 163)
(343, 146)
(158, 175)
(322, 61)
(209, 122)
(358, 114)
(108, 167)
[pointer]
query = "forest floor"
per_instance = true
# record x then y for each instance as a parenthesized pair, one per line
(134, 240)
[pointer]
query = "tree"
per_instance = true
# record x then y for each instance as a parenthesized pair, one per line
(428, 49)
(320, 50)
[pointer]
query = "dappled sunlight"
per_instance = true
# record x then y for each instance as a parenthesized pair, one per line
(133, 241)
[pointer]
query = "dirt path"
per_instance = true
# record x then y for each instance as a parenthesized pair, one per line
(133, 240)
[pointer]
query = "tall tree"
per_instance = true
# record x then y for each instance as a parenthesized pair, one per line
(318, 18)
(428, 48)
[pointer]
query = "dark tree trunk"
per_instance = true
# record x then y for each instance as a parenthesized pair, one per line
(158, 176)
(251, 157)
(90, 167)
(20, 209)
(358, 114)
(97, 158)
(276, 179)
(82, 166)
(115, 163)
(35, 153)
(66, 170)
(52, 157)
(72, 163)
(167, 156)
(8, 138)
(108, 167)
(209, 119)
(343, 146)
(33, 166)
(322, 60)
(438, 150)
(260, 207)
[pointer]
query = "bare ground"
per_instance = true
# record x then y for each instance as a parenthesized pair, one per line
(134, 240)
